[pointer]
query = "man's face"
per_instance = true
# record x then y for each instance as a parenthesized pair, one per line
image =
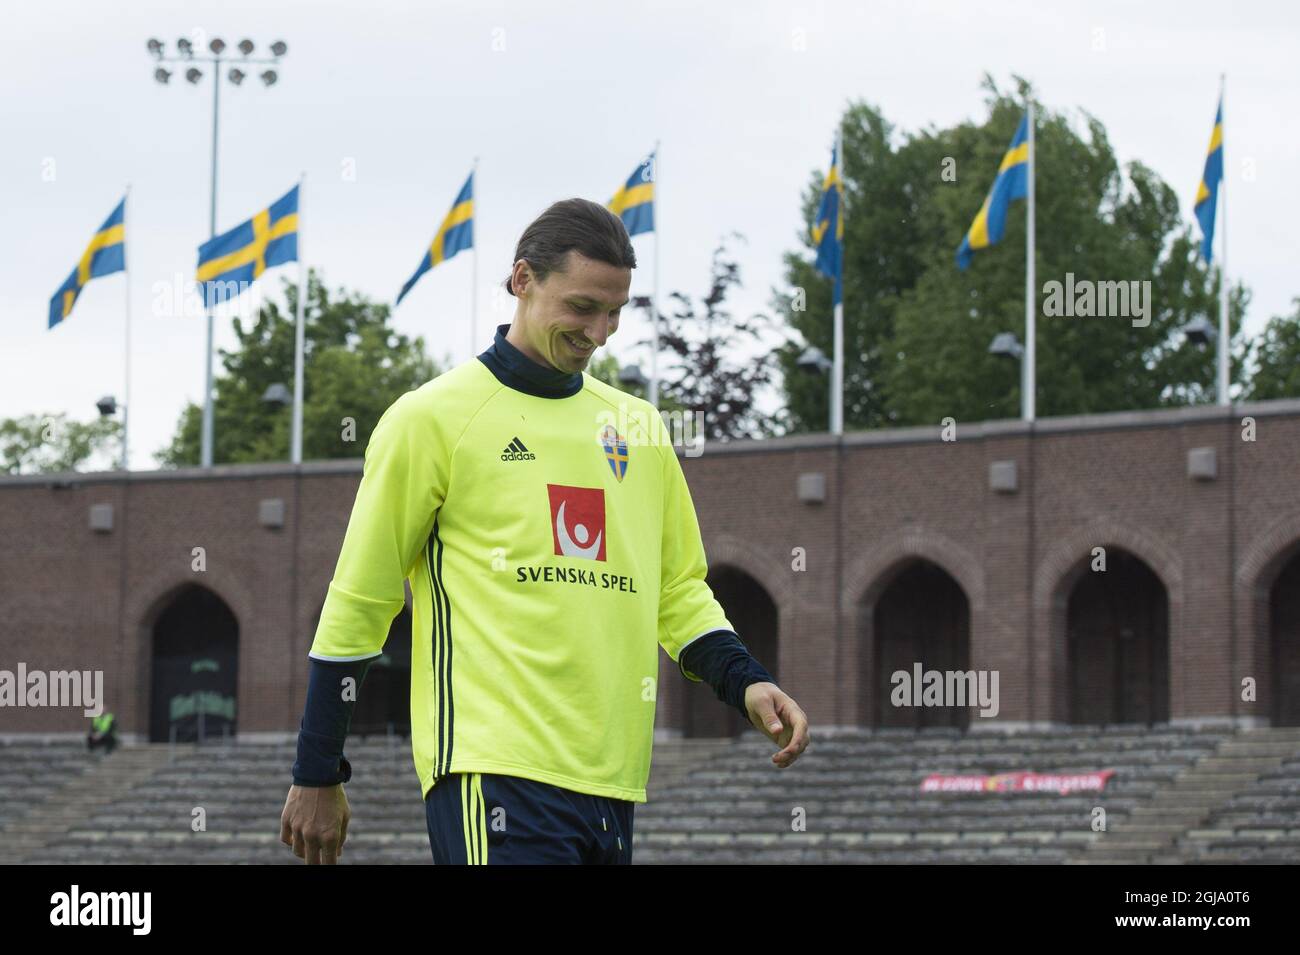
(562, 321)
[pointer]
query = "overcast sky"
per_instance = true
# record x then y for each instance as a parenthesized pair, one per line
(384, 105)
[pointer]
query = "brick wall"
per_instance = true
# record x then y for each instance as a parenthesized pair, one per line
(73, 598)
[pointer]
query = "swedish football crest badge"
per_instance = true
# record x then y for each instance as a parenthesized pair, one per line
(615, 451)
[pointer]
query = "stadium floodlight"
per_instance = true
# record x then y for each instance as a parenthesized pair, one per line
(188, 59)
(814, 359)
(107, 406)
(1200, 331)
(631, 376)
(277, 394)
(1006, 345)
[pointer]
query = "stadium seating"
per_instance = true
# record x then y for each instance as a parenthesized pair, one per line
(240, 790)
(1177, 795)
(29, 768)
(859, 793)
(1258, 824)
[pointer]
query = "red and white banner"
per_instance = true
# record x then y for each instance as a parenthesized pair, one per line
(1063, 783)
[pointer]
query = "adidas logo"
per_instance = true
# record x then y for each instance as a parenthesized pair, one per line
(515, 451)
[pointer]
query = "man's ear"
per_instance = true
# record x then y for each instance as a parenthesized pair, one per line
(521, 277)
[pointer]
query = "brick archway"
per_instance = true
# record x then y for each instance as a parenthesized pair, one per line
(143, 606)
(867, 578)
(774, 575)
(194, 666)
(727, 550)
(1054, 578)
(1257, 570)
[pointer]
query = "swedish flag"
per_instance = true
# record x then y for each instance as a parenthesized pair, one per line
(229, 262)
(1208, 192)
(105, 255)
(634, 202)
(828, 228)
(454, 235)
(1012, 183)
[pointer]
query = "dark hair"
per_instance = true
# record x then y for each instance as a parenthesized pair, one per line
(577, 225)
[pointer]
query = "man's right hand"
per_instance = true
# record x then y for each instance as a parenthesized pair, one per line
(315, 823)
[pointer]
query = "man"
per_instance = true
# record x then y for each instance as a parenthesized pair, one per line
(548, 555)
(103, 733)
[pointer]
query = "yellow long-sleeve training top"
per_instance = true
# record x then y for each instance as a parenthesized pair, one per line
(551, 545)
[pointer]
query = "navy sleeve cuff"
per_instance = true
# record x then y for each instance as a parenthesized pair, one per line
(722, 661)
(325, 721)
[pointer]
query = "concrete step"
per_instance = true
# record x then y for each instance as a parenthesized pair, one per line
(108, 779)
(674, 760)
(1233, 764)
(1185, 799)
(1170, 813)
(1213, 781)
(1260, 747)
(1144, 831)
(1211, 784)
(711, 801)
(1108, 860)
(1153, 831)
(1279, 733)
(1125, 841)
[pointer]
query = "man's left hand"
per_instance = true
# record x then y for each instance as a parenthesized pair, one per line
(780, 718)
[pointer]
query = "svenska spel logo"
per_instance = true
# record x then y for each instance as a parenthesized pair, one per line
(578, 521)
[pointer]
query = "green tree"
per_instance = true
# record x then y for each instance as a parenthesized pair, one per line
(882, 260)
(1276, 359)
(607, 369)
(917, 329)
(41, 444)
(720, 364)
(355, 366)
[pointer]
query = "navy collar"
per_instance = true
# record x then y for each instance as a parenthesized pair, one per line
(516, 370)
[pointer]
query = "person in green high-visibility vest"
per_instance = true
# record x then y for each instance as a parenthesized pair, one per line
(103, 732)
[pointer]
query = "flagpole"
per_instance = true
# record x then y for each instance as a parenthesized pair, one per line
(473, 287)
(654, 300)
(1225, 335)
(837, 332)
(126, 387)
(1028, 374)
(207, 442)
(296, 440)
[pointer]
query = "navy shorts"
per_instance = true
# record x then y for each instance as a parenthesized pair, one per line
(483, 818)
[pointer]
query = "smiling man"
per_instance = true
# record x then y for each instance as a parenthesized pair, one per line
(548, 557)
